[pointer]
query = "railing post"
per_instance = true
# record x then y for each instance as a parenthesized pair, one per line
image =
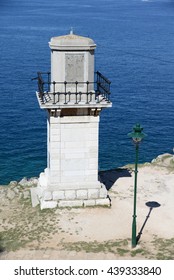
(87, 93)
(65, 83)
(76, 83)
(54, 92)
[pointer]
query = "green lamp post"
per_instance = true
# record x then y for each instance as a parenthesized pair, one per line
(137, 135)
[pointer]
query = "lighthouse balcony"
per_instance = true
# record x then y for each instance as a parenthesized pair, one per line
(56, 94)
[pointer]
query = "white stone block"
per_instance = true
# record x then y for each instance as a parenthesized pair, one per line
(89, 202)
(93, 137)
(93, 149)
(75, 125)
(54, 174)
(47, 195)
(103, 192)
(76, 119)
(93, 193)
(34, 197)
(82, 194)
(54, 167)
(73, 173)
(76, 155)
(103, 202)
(48, 204)
(70, 203)
(54, 179)
(92, 166)
(91, 172)
(73, 164)
(94, 123)
(46, 172)
(55, 162)
(55, 146)
(93, 130)
(77, 144)
(55, 137)
(70, 194)
(91, 178)
(43, 180)
(55, 126)
(55, 149)
(91, 143)
(55, 131)
(58, 195)
(39, 191)
(54, 120)
(74, 135)
(92, 155)
(71, 180)
(93, 161)
(75, 149)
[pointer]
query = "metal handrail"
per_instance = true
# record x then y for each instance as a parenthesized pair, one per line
(47, 87)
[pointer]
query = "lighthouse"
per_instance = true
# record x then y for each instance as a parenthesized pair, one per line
(73, 95)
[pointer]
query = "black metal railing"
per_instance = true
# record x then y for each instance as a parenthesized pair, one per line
(66, 92)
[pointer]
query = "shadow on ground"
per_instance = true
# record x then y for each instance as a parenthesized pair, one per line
(2, 249)
(151, 205)
(109, 177)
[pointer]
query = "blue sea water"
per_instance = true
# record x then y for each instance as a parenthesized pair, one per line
(135, 50)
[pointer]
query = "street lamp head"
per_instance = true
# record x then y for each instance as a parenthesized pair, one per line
(137, 135)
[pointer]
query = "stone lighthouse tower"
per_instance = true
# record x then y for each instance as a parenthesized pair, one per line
(73, 96)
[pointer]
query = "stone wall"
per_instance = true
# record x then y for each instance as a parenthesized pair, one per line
(72, 152)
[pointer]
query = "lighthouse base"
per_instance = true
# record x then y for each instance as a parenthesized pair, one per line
(71, 176)
(48, 197)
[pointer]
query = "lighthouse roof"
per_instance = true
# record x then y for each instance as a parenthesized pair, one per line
(71, 42)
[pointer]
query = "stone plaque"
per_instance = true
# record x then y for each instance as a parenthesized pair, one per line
(74, 67)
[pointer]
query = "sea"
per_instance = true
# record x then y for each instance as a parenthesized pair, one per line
(135, 51)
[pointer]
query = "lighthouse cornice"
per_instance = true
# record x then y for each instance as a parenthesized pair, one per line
(72, 42)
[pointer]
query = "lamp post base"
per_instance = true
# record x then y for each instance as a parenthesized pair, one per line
(134, 239)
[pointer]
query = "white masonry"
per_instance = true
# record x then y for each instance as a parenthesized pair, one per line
(73, 99)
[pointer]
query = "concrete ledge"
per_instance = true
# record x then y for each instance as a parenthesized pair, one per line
(93, 193)
(69, 198)
(48, 204)
(82, 194)
(58, 195)
(88, 203)
(70, 195)
(74, 203)
(70, 203)
(103, 192)
(47, 195)
(103, 202)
